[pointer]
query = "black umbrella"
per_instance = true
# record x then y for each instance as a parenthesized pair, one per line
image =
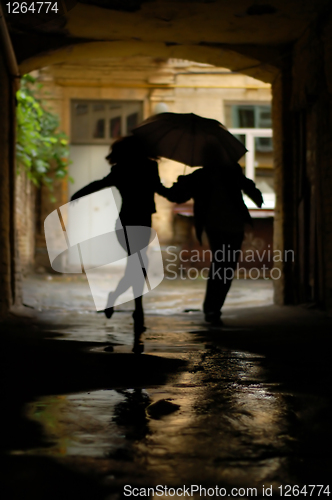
(188, 138)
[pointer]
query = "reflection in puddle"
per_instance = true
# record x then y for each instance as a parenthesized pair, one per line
(79, 424)
(233, 426)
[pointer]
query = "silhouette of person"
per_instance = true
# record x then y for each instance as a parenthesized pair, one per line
(219, 209)
(136, 177)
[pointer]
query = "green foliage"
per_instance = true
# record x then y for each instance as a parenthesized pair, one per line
(40, 148)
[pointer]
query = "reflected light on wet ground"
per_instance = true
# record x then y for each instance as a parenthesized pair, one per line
(46, 293)
(233, 415)
(232, 426)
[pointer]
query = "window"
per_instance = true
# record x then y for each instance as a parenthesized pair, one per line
(253, 116)
(132, 121)
(115, 127)
(101, 122)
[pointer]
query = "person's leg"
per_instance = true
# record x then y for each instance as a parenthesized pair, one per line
(138, 316)
(131, 242)
(124, 283)
(138, 242)
(138, 289)
(234, 243)
(225, 247)
(135, 243)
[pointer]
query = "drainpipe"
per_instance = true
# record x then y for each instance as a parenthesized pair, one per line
(9, 52)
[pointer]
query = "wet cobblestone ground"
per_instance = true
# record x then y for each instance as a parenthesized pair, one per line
(245, 406)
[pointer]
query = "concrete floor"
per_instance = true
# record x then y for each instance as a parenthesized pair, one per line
(245, 406)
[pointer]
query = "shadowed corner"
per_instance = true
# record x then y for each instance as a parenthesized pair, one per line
(34, 365)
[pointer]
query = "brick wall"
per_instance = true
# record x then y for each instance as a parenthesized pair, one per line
(25, 221)
(44, 206)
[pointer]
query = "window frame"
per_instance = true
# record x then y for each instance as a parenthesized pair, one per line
(124, 111)
(257, 107)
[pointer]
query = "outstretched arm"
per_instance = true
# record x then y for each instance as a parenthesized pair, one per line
(173, 194)
(253, 192)
(163, 191)
(179, 192)
(249, 188)
(94, 186)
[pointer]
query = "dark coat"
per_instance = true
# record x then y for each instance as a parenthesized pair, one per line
(217, 194)
(137, 184)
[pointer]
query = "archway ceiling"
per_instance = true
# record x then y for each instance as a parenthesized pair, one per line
(249, 36)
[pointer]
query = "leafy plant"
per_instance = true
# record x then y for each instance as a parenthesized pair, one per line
(41, 149)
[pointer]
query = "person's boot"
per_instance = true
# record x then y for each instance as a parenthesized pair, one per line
(138, 317)
(139, 328)
(213, 318)
(109, 310)
(138, 347)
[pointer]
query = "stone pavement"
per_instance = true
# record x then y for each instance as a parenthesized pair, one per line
(245, 406)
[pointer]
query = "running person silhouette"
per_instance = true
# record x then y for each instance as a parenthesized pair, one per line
(136, 177)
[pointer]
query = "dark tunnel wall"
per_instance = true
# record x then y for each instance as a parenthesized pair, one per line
(9, 281)
(302, 109)
(312, 152)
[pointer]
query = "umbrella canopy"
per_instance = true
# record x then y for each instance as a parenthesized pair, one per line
(189, 139)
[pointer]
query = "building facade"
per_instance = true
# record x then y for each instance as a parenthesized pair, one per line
(105, 99)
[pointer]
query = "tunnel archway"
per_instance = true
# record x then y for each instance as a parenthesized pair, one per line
(264, 41)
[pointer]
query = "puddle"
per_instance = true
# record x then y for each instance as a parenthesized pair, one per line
(232, 424)
(79, 424)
